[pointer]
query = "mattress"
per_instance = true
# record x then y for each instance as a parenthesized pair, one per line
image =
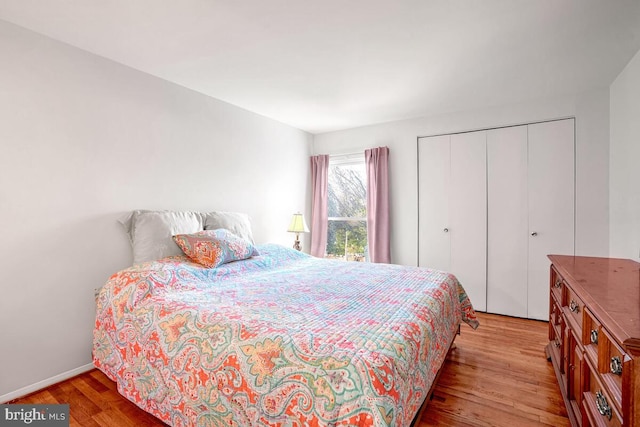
(279, 339)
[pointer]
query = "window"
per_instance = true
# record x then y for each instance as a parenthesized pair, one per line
(347, 206)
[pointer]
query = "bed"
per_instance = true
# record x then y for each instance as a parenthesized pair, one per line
(277, 339)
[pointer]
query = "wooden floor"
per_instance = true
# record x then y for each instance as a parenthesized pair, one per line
(496, 376)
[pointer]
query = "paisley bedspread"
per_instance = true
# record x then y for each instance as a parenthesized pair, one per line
(280, 339)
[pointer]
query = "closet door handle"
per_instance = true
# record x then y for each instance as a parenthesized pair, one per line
(534, 234)
(446, 230)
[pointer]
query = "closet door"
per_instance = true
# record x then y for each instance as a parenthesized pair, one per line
(551, 205)
(507, 222)
(468, 214)
(434, 247)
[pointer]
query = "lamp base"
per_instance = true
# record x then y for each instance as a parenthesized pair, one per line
(296, 244)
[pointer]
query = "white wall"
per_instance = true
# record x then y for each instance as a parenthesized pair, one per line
(625, 162)
(84, 140)
(592, 151)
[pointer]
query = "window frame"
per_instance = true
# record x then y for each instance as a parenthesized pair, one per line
(345, 160)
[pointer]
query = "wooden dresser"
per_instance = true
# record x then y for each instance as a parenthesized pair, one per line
(594, 334)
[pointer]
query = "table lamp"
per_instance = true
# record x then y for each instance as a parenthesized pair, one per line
(298, 226)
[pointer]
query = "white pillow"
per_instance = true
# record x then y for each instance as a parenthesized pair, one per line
(236, 222)
(151, 232)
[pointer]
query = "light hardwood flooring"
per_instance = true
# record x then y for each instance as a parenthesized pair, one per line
(496, 376)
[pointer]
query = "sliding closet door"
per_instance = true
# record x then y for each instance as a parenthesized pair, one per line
(507, 222)
(468, 214)
(551, 205)
(434, 247)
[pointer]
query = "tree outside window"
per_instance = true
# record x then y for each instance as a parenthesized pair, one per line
(347, 206)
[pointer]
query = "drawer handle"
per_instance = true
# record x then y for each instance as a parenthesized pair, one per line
(616, 366)
(603, 405)
(594, 336)
(574, 307)
(558, 283)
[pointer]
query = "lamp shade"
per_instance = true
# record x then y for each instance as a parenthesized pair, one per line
(298, 225)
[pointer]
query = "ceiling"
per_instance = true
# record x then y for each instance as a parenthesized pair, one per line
(335, 64)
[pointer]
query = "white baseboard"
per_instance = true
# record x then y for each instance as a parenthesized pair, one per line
(45, 383)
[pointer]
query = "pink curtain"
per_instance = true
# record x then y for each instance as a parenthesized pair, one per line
(319, 211)
(377, 162)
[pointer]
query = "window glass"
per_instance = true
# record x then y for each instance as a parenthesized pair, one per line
(347, 206)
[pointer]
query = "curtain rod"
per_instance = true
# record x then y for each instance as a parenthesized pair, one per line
(347, 155)
(353, 153)
(357, 153)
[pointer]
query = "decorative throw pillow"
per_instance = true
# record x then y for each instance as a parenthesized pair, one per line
(213, 248)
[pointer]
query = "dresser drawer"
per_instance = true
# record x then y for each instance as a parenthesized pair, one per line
(556, 349)
(574, 306)
(556, 284)
(597, 402)
(612, 363)
(556, 336)
(555, 311)
(591, 332)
